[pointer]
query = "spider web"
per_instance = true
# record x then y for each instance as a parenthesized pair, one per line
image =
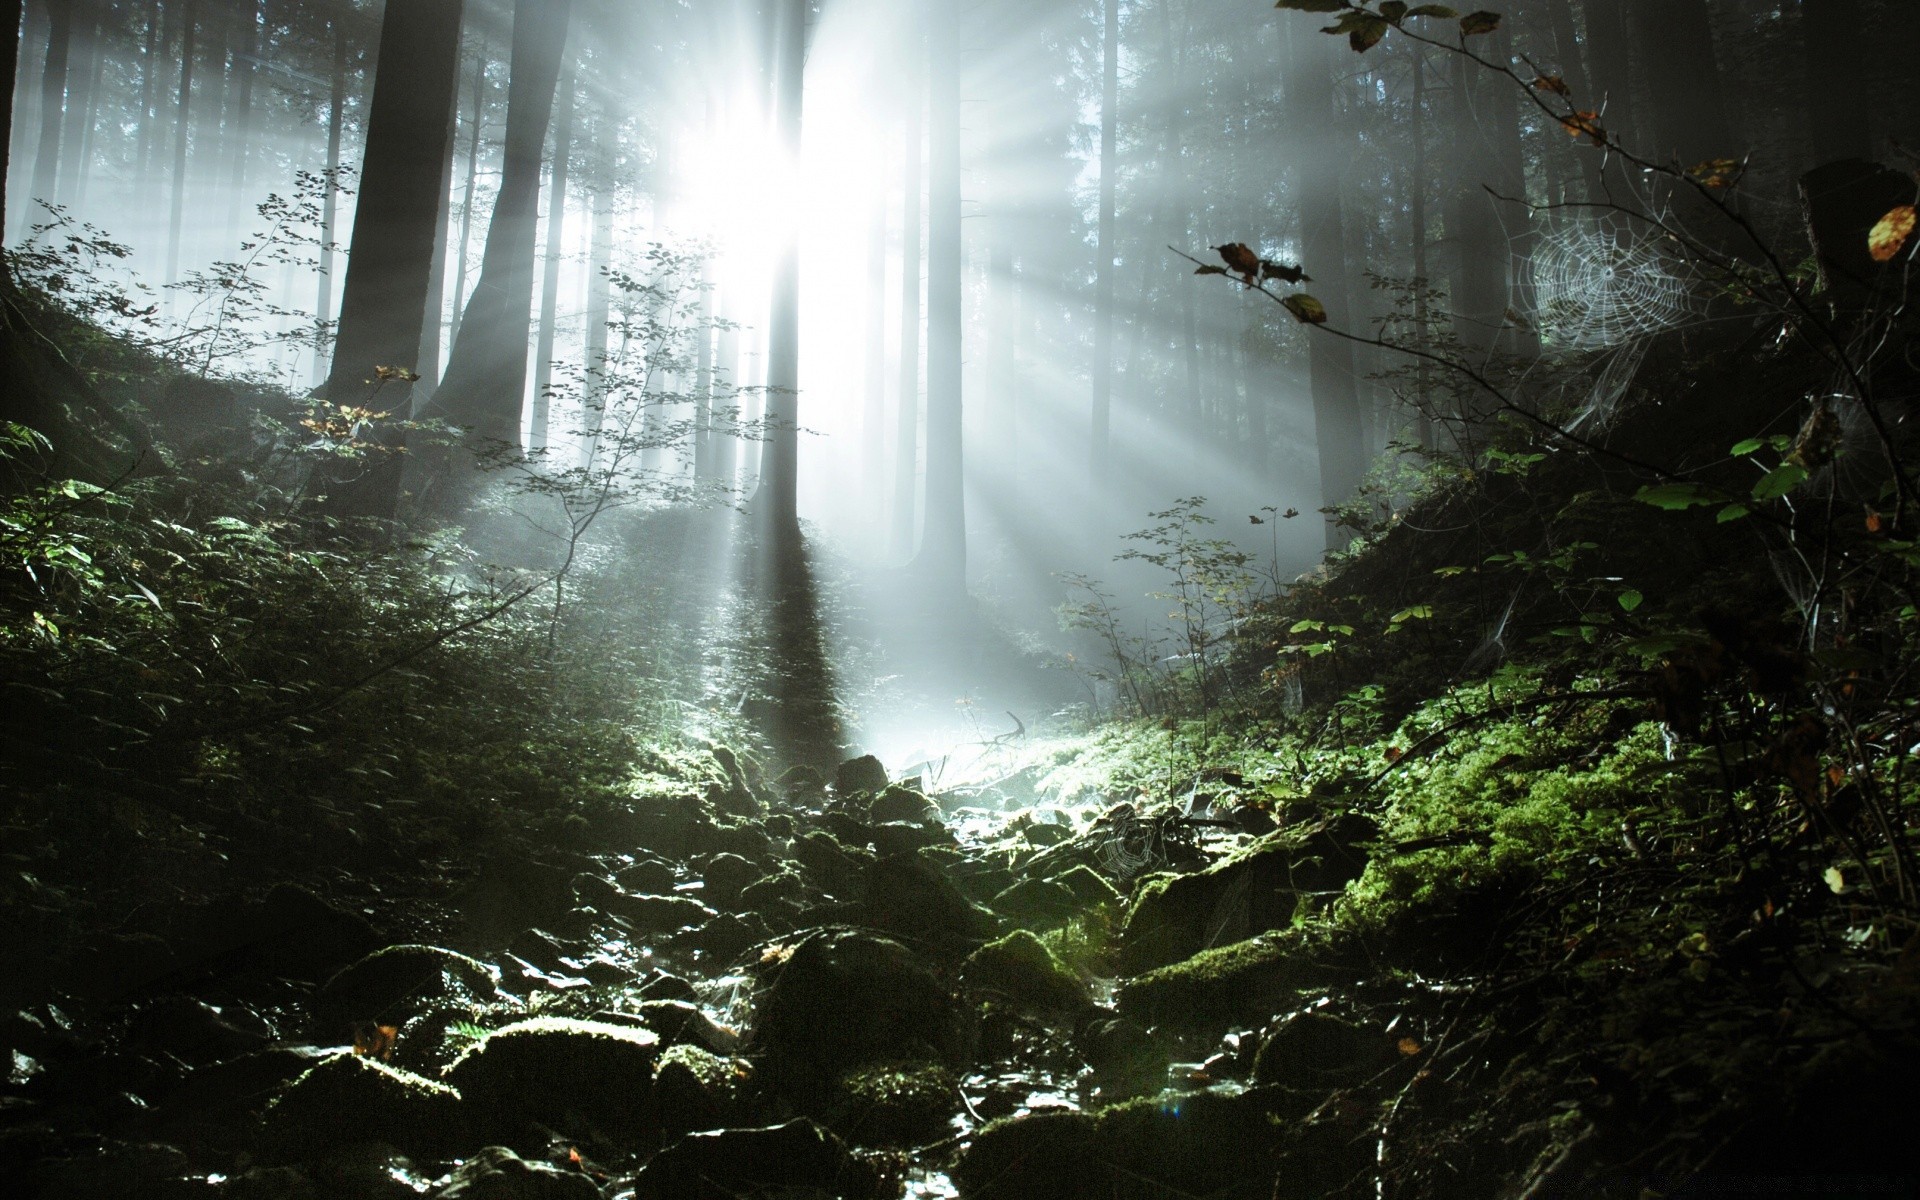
(1599, 283)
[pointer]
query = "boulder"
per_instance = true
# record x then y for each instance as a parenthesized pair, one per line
(898, 803)
(726, 876)
(1047, 1155)
(196, 1032)
(1088, 886)
(1041, 902)
(908, 897)
(679, 1022)
(349, 1098)
(896, 1104)
(576, 1077)
(726, 1164)
(831, 867)
(497, 1173)
(649, 875)
(1020, 969)
(864, 774)
(1317, 1052)
(1246, 981)
(693, 1089)
(839, 999)
(905, 837)
(510, 893)
(392, 985)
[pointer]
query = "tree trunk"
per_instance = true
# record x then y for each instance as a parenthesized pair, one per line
(1417, 187)
(906, 441)
(776, 497)
(466, 201)
(1837, 94)
(383, 302)
(329, 208)
(550, 284)
(486, 380)
(53, 101)
(1103, 262)
(83, 89)
(1689, 121)
(1479, 283)
(873, 412)
(432, 346)
(244, 66)
(10, 20)
(1336, 403)
(182, 111)
(599, 304)
(943, 542)
(149, 99)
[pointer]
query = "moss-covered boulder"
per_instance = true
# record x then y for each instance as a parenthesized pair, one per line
(349, 1098)
(908, 896)
(864, 774)
(830, 866)
(839, 999)
(725, 876)
(1020, 969)
(1042, 903)
(779, 891)
(902, 804)
(896, 1104)
(1088, 886)
(694, 1089)
(1044, 1156)
(390, 986)
(797, 1158)
(1316, 1052)
(579, 1077)
(1246, 981)
(497, 1173)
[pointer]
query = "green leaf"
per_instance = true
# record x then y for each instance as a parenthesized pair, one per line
(1742, 449)
(1479, 22)
(1630, 599)
(1306, 309)
(1312, 6)
(1677, 496)
(1304, 626)
(1394, 10)
(1732, 512)
(1418, 612)
(1779, 481)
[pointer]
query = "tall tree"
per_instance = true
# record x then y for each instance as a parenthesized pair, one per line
(1480, 259)
(599, 288)
(330, 206)
(246, 59)
(383, 302)
(182, 110)
(1837, 96)
(906, 439)
(1338, 432)
(466, 196)
(550, 284)
(1103, 261)
(53, 100)
(485, 385)
(776, 498)
(1689, 120)
(943, 542)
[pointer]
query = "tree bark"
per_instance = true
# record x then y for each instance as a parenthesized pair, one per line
(244, 67)
(53, 101)
(11, 17)
(1479, 276)
(873, 411)
(485, 385)
(599, 304)
(431, 343)
(1337, 425)
(550, 284)
(1102, 416)
(330, 207)
(1689, 121)
(466, 202)
(383, 301)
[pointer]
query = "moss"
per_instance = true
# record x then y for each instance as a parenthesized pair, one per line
(1044, 1154)
(896, 1104)
(393, 984)
(1244, 981)
(1088, 886)
(349, 1098)
(693, 1089)
(1022, 969)
(571, 1075)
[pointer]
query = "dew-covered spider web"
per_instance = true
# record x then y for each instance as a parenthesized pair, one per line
(1600, 283)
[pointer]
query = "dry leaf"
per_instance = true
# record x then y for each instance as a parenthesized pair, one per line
(1890, 234)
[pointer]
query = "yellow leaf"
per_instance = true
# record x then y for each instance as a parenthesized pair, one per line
(1306, 309)
(1890, 234)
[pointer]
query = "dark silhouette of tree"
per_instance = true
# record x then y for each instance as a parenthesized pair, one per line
(776, 498)
(1838, 99)
(906, 441)
(942, 561)
(550, 283)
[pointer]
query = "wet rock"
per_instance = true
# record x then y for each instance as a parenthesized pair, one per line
(1242, 982)
(1026, 1158)
(196, 1032)
(509, 893)
(660, 914)
(840, 999)
(863, 774)
(802, 786)
(693, 1089)
(1125, 1057)
(981, 880)
(349, 1098)
(724, 938)
(896, 1104)
(540, 948)
(747, 839)
(667, 986)
(649, 875)
(1043, 833)
(906, 896)
(367, 1171)
(216, 1104)
(576, 1077)
(680, 1022)
(1020, 969)
(1042, 902)
(833, 868)
(113, 1170)
(783, 890)
(390, 986)
(730, 1163)
(904, 837)
(668, 824)
(1088, 886)
(726, 876)
(116, 966)
(898, 803)
(497, 1173)
(847, 830)
(1317, 1052)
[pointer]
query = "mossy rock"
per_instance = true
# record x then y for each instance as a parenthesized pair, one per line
(1043, 1156)
(1243, 982)
(497, 1173)
(350, 1098)
(798, 1158)
(896, 1104)
(864, 774)
(694, 1089)
(840, 999)
(1021, 969)
(1088, 886)
(830, 866)
(1317, 1052)
(1039, 902)
(908, 896)
(899, 803)
(784, 889)
(573, 1076)
(392, 985)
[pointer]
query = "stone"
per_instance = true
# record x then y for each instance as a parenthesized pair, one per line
(578, 1077)
(392, 985)
(1318, 1052)
(693, 1089)
(863, 774)
(1047, 1155)
(908, 897)
(896, 1104)
(783, 890)
(726, 876)
(649, 875)
(351, 1098)
(892, 838)
(680, 1022)
(196, 1032)
(1246, 981)
(1088, 886)
(726, 1164)
(832, 868)
(510, 893)
(898, 803)
(1043, 902)
(497, 1173)
(1021, 970)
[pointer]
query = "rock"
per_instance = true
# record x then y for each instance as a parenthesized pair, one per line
(1126, 1058)
(1044, 833)
(1088, 886)
(896, 1104)
(1317, 1052)
(832, 867)
(680, 1022)
(908, 897)
(1243, 982)
(905, 837)
(349, 1098)
(747, 839)
(693, 1089)
(668, 987)
(726, 1164)
(726, 876)
(112, 1170)
(1020, 969)
(847, 830)
(839, 999)
(1048, 1155)
(497, 1173)
(575, 1077)
(737, 797)
(649, 875)
(802, 786)
(863, 774)
(902, 804)
(392, 985)
(1043, 902)
(723, 938)
(510, 893)
(195, 1032)
(660, 914)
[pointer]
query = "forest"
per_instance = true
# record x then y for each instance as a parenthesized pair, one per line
(1024, 600)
